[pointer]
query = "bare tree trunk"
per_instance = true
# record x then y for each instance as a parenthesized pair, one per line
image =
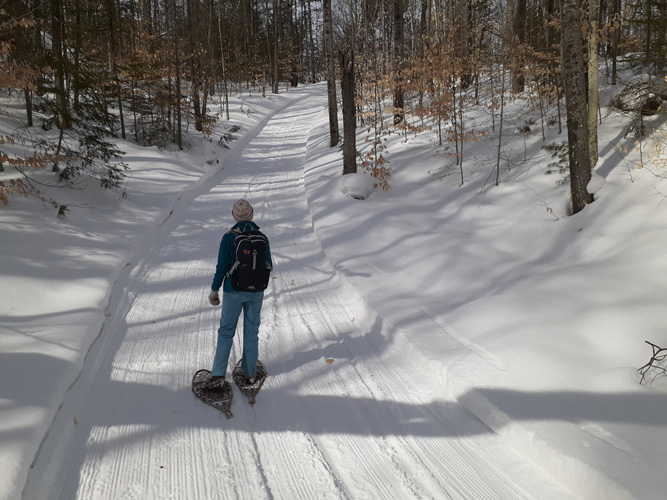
(179, 118)
(311, 50)
(423, 33)
(519, 37)
(177, 70)
(78, 42)
(275, 47)
(399, 104)
(462, 129)
(662, 41)
(649, 28)
(222, 61)
(295, 74)
(500, 127)
(464, 43)
(114, 66)
(63, 119)
(39, 14)
(334, 135)
(593, 96)
(574, 81)
(616, 37)
(195, 77)
(346, 59)
(204, 102)
(28, 105)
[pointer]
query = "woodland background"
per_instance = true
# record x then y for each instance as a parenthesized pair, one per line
(144, 69)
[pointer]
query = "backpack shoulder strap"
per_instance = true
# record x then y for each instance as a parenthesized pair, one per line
(246, 229)
(236, 232)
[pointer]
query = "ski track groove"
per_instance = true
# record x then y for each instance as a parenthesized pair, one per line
(316, 320)
(386, 447)
(357, 428)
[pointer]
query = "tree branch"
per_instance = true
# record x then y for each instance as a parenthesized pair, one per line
(655, 364)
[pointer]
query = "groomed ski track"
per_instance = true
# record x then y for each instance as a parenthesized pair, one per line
(365, 426)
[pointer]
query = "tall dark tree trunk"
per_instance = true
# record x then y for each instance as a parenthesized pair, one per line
(649, 29)
(276, 77)
(63, 117)
(179, 118)
(28, 105)
(311, 45)
(464, 43)
(294, 74)
(346, 59)
(177, 71)
(593, 95)
(422, 42)
(399, 104)
(661, 51)
(195, 77)
(616, 36)
(334, 135)
(114, 65)
(519, 36)
(222, 62)
(574, 81)
(78, 43)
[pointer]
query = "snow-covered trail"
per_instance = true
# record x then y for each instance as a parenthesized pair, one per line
(346, 412)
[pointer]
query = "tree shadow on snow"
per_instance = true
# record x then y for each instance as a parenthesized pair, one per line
(571, 406)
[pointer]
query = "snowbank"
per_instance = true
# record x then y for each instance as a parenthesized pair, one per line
(535, 320)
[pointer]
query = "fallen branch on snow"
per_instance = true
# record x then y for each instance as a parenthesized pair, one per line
(656, 363)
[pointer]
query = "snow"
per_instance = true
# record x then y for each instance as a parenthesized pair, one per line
(430, 341)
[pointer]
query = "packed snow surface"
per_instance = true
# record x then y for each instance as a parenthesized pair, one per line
(436, 340)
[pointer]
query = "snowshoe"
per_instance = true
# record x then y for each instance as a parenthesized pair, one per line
(249, 386)
(217, 394)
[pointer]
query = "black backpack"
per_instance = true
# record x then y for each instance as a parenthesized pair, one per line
(250, 272)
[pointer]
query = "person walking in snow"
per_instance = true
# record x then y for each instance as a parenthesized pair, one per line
(242, 290)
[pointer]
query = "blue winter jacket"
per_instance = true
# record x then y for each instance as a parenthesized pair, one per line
(227, 255)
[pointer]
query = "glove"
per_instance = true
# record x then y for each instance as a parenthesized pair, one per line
(213, 298)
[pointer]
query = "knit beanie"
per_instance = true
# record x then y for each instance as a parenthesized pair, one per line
(242, 211)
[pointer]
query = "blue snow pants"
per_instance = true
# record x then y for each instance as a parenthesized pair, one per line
(232, 305)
